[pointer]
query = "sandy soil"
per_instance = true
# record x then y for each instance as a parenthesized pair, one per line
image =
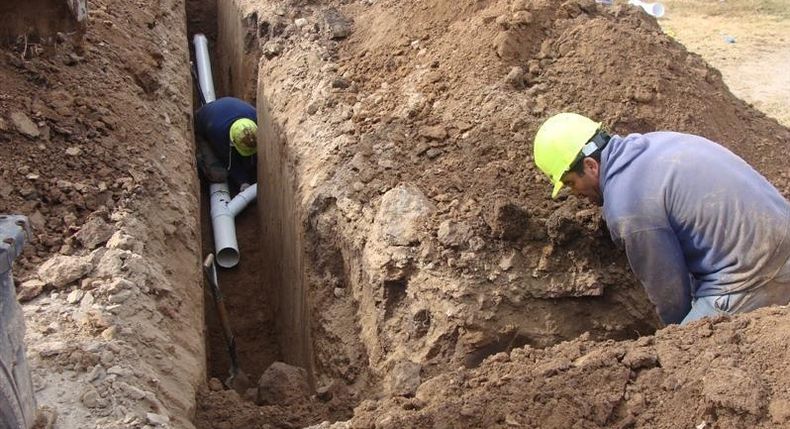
(755, 65)
(466, 314)
(98, 154)
(431, 106)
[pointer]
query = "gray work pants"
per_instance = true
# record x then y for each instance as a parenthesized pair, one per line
(775, 292)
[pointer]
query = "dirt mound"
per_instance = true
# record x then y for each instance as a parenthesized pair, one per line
(225, 409)
(719, 373)
(470, 63)
(445, 97)
(428, 238)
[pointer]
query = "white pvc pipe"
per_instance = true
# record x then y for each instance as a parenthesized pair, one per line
(205, 78)
(223, 209)
(226, 247)
(653, 9)
(223, 213)
(242, 200)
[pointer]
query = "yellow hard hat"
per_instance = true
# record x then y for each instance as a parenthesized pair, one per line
(558, 142)
(243, 136)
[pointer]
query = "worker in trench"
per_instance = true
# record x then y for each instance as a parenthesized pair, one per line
(226, 130)
(704, 232)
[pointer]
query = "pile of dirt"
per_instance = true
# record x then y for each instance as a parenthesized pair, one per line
(448, 101)
(420, 229)
(718, 373)
(442, 99)
(98, 154)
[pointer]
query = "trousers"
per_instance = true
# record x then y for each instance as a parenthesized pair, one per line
(775, 292)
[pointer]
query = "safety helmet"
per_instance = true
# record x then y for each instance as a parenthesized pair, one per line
(558, 143)
(243, 136)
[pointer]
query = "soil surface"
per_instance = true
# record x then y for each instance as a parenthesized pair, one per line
(749, 42)
(404, 130)
(410, 265)
(98, 155)
(719, 374)
(431, 107)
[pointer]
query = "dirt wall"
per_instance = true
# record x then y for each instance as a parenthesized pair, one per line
(237, 49)
(38, 18)
(428, 235)
(283, 242)
(100, 158)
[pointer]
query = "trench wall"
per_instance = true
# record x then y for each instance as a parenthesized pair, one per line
(131, 342)
(282, 238)
(283, 241)
(37, 17)
(236, 51)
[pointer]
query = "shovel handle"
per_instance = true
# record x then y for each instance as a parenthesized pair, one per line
(230, 340)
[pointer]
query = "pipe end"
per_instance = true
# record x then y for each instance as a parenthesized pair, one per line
(228, 257)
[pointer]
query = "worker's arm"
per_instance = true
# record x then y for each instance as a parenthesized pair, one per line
(657, 260)
(212, 168)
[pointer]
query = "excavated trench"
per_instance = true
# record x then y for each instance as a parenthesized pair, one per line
(383, 253)
(247, 294)
(269, 325)
(304, 296)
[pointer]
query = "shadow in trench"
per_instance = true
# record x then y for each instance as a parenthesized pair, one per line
(247, 301)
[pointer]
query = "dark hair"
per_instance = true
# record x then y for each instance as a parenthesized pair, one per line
(601, 138)
(578, 167)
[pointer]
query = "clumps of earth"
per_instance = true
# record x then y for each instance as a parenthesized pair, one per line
(442, 286)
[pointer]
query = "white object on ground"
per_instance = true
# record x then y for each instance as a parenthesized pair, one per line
(652, 9)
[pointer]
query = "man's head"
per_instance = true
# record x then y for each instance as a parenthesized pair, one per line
(243, 134)
(567, 149)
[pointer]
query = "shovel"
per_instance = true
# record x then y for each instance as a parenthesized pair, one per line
(238, 380)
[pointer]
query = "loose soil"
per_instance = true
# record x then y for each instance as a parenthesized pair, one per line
(404, 250)
(98, 154)
(439, 101)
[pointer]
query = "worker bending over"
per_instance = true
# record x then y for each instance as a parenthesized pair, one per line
(229, 125)
(704, 232)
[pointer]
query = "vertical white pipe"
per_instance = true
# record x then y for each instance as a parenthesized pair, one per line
(226, 247)
(205, 78)
(242, 199)
(223, 209)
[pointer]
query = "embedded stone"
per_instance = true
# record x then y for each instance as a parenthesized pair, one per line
(25, 125)
(282, 384)
(399, 213)
(61, 270)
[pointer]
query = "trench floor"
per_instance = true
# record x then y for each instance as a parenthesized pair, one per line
(247, 301)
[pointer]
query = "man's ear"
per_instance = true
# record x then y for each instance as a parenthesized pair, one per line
(592, 166)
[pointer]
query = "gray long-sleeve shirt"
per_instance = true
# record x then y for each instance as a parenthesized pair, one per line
(694, 219)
